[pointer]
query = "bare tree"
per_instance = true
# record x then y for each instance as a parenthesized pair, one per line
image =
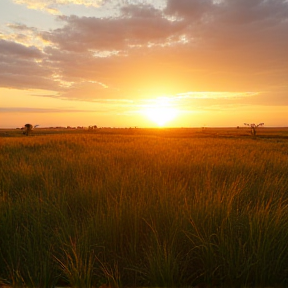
(253, 127)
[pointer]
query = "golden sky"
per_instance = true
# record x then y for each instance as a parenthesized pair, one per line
(127, 63)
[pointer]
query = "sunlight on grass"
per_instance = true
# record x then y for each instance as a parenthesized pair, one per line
(93, 210)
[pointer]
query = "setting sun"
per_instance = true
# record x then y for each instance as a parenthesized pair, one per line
(161, 111)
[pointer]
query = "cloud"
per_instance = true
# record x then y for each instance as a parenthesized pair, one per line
(21, 34)
(232, 25)
(216, 95)
(140, 11)
(145, 52)
(43, 110)
(51, 6)
(210, 100)
(21, 27)
(10, 48)
(136, 27)
(189, 8)
(21, 67)
(230, 100)
(269, 98)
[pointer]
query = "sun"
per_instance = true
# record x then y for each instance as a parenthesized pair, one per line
(160, 111)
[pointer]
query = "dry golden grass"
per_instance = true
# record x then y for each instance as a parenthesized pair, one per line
(144, 207)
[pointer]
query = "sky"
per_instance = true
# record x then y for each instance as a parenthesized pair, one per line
(154, 63)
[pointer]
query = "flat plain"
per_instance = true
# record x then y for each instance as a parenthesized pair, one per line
(144, 207)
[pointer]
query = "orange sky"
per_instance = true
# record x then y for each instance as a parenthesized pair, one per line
(177, 63)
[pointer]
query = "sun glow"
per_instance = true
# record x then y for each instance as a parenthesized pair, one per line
(160, 111)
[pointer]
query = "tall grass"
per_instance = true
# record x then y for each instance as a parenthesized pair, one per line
(89, 209)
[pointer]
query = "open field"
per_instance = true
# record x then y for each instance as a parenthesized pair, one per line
(144, 207)
(262, 132)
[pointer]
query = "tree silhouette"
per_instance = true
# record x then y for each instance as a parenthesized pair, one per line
(27, 129)
(253, 127)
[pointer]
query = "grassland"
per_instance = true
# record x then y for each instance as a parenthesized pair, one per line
(144, 207)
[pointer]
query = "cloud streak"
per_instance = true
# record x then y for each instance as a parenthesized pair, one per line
(44, 110)
(51, 6)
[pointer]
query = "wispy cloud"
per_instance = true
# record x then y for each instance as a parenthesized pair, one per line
(216, 95)
(44, 110)
(51, 6)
